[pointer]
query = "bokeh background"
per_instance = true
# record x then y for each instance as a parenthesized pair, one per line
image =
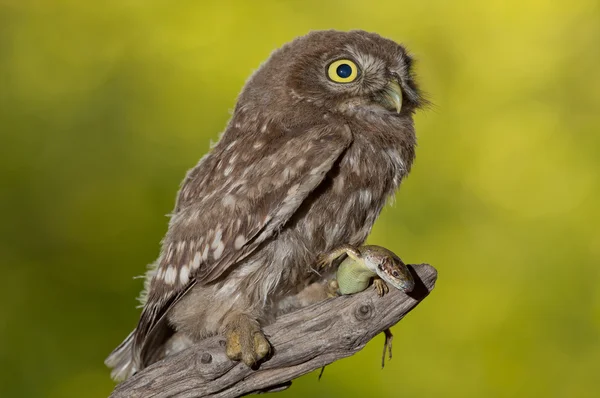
(105, 105)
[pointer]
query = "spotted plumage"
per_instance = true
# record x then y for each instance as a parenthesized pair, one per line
(306, 164)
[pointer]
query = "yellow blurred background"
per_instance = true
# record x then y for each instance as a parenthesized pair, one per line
(105, 105)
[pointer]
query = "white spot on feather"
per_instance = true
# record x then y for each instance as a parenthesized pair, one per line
(396, 158)
(286, 174)
(185, 191)
(354, 162)
(219, 250)
(293, 189)
(169, 255)
(230, 145)
(184, 275)
(217, 239)
(316, 171)
(229, 288)
(195, 264)
(333, 232)
(170, 275)
(228, 200)
(365, 196)
(239, 242)
(195, 215)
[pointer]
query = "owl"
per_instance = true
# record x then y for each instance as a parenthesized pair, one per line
(321, 136)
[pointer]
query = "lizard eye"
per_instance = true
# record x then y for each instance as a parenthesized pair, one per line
(396, 274)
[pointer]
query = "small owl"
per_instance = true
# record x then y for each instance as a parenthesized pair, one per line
(321, 136)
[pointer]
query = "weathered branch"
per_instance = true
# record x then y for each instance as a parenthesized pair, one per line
(302, 341)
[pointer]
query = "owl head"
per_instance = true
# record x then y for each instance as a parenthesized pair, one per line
(354, 73)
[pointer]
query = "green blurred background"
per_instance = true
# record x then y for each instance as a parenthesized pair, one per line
(105, 105)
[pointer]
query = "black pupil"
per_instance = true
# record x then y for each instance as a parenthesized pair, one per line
(344, 71)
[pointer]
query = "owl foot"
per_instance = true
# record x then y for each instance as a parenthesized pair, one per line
(245, 341)
(381, 287)
(332, 288)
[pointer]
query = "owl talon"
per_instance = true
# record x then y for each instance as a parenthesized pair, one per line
(246, 342)
(234, 347)
(381, 287)
(262, 348)
(333, 288)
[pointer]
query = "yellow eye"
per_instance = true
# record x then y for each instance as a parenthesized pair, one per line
(342, 71)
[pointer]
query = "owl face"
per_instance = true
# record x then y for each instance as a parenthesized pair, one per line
(352, 72)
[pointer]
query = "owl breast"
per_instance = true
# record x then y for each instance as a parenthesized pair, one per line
(353, 196)
(341, 211)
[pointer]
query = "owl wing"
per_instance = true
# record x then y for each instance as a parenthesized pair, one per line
(236, 197)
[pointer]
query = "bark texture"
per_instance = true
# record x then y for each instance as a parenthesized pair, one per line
(302, 341)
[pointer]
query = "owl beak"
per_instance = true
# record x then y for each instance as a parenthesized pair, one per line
(391, 96)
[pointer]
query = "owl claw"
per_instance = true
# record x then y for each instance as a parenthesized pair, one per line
(332, 288)
(262, 348)
(246, 342)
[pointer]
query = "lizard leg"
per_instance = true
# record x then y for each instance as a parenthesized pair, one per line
(325, 259)
(387, 346)
(321, 372)
(381, 287)
(245, 340)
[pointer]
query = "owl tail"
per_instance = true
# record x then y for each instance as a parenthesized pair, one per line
(121, 360)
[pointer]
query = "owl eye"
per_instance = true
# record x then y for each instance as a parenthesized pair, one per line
(342, 71)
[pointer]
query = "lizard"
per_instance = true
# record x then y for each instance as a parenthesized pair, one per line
(363, 264)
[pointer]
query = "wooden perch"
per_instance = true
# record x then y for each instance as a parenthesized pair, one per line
(302, 341)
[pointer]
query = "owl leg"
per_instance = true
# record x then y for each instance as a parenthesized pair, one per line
(333, 288)
(313, 293)
(245, 340)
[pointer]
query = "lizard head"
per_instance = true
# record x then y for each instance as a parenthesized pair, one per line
(388, 267)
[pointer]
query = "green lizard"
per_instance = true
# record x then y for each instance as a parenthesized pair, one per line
(362, 265)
